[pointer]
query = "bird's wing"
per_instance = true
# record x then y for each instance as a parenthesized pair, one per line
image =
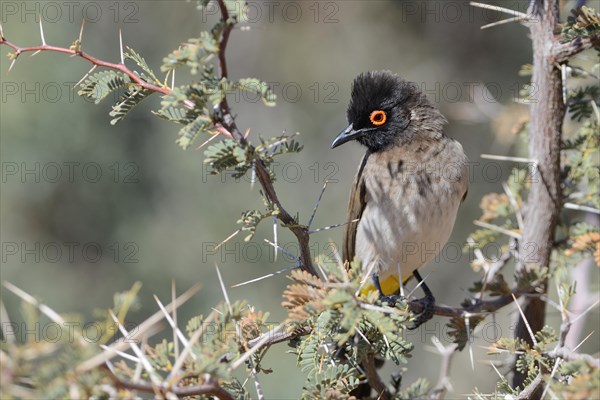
(356, 206)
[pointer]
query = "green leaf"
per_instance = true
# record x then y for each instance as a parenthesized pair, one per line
(99, 85)
(195, 54)
(188, 133)
(127, 102)
(259, 87)
(149, 75)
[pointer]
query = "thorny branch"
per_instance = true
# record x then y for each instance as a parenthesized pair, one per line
(478, 308)
(225, 119)
(442, 385)
(563, 51)
(205, 389)
(80, 53)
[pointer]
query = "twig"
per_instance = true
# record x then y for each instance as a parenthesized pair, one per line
(373, 378)
(141, 330)
(563, 51)
(97, 62)
(532, 390)
(443, 382)
(262, 173)
(207, 389)
(226, 119)
(478, 308)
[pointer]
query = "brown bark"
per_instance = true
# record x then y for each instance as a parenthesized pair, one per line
(544, 199)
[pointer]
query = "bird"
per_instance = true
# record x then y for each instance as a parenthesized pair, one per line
(408, 187)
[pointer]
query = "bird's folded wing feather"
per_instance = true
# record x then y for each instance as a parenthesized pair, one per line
(356, 206)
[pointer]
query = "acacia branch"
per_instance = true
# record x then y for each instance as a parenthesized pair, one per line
(97, 62)
(533, 390)
(478, 308)
(563, 51)
(205, 389)
(544, 200)
(374, 379)
(225, 118)
(262, 173)
(440, 388)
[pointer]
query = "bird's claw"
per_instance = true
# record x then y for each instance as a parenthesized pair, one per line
(428, 304)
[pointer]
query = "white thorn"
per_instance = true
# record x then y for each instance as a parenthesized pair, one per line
(136, 349)
(563, 70)
(275, 238)
(498, 372)
(501, 9)
(174, 317)
(504, 21)
(172, 79)
(326, 228)
(272, 274)
(253, 175)
(554, 370)
(85, 76)
(223, 288)
(173, 325)
(42, 32)
(228, 238)
(438, 345)
(508, 158)
(596, 111)
(284, 251)
(362, 335)
(12, 64)
(419, 285)
(582, 342)
(81, 32)
(121, 353)
(468, 325)
(400, 280)
(497, 229)
(513, 201)
(573, 206)
(310, 221)
(525, 320)
(210, 139)
(254, 348)
(587, 310)
(121, 46)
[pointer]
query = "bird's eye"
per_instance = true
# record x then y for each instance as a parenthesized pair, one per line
(378, 117)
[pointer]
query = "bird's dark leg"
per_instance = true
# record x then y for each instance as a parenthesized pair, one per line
(389, 299)
(428, 302)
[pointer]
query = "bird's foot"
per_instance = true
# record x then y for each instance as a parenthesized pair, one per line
(427, 303)
(392, 299)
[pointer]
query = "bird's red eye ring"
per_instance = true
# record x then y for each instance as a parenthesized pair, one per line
(378, 117)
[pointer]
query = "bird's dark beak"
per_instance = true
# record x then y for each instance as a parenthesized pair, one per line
(346, 135)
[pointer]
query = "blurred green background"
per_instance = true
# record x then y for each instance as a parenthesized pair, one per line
(73, 183)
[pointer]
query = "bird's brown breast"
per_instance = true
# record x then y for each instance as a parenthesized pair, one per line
(406, 199)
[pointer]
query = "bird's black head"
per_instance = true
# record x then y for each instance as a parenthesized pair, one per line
(380, 111)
